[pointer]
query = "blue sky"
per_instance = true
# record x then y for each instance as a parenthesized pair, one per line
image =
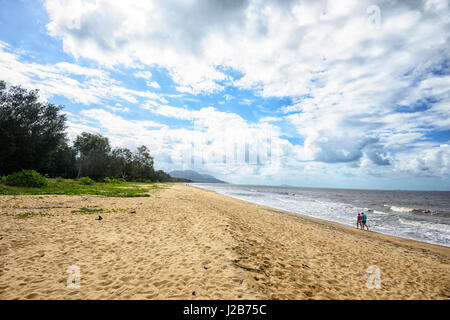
(350, 94)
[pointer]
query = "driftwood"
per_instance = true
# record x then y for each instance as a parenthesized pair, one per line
(247, 268)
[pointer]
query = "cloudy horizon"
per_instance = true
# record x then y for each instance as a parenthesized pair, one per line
(344, 94)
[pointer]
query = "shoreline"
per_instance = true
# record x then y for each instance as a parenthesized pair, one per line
(184, 242)
(320, 220)
(389, 237)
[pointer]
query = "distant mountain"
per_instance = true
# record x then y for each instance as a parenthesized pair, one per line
(194, 176)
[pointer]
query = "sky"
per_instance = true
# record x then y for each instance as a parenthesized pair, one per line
(338, 94)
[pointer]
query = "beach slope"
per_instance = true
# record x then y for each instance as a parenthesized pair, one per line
(186, 243)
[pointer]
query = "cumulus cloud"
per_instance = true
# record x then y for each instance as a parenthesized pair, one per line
(428, 161)
(153, 84)
(270, 119)
(118, 108)
(223, 140)
(76, 83)
(143, 74)
(366, 90)
(284, 48)
(246, 101)
(171, 34)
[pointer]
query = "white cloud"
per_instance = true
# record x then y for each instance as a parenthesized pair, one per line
(143, 74)
(429, 161)
(59, 79)
(114, 125)
(113, 32)
(222, 140)
(360, 95)
(270, 119)
(246, 101)
(118, 109)
(287, 48)
(153, 84)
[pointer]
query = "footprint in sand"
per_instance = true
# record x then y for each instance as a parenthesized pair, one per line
(126, 278)
(31, 296)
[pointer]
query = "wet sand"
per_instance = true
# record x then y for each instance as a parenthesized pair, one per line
(186, 243)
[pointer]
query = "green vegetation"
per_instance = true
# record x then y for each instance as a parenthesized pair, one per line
(26, 178)
(114, 180)
(32, 133)
(24, 215)
(86, 181)
(85, 210)
(74, 187)
(33, 136)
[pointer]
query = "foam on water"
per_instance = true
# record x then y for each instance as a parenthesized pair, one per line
(401, 209)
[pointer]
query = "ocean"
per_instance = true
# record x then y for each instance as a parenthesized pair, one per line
(417, 215)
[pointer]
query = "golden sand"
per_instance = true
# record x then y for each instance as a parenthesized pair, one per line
(184, 240)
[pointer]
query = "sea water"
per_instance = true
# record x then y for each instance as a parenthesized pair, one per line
(417, 215)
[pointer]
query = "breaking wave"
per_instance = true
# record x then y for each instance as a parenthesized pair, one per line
(425, 225)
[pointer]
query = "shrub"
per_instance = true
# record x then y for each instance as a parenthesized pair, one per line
(114, 180)
(26, 178)
(86, 181)
(59, 179)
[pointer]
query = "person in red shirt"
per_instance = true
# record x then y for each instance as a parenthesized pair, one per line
(359, 221)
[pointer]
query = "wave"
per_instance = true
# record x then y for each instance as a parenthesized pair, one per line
(425, 226)
(285, 193)
(287, 200)
(374, 211)
(401, 209)
(412, 210)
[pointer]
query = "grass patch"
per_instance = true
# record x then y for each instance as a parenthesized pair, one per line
(25, 215)
(85, 210)
(74, 187)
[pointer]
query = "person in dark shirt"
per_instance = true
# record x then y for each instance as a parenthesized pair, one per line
(364, 221)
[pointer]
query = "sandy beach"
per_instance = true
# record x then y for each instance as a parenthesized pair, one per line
(186, 243)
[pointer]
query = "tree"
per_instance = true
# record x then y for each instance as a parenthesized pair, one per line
(33, 137)
(121, 163)
(30, 130)
(162, 176)
(93, 150)
(63, 163)
(142, 167)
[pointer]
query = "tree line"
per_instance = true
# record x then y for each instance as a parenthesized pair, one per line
(33, 136)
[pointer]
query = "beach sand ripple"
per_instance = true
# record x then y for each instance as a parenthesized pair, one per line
(183, 240)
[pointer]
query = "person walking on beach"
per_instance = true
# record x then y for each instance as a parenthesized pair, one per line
(364, 221)
(358, 221)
